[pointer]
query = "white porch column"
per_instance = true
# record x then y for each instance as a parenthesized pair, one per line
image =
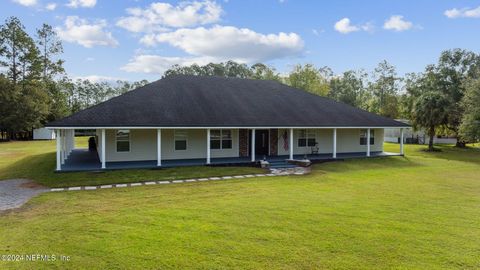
(401, 141)
(63, 146)
(68, 142)
(103, 149)
(368, 142)
(334, 152)
(208, 146)
(59, 144)
(71, 144)
(290, 145)
(253, 145)
(159, 147)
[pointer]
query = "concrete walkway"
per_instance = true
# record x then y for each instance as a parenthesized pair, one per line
(15, 192)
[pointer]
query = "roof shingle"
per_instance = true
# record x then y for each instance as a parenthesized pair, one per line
(200, 101)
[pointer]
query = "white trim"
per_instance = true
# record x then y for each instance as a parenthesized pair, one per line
(175, 146)
(231, 127)
(253, 145)
(306, 139)
(221, 139)
(62, 134)
(290, 147)
(368, 142)
(208, 146)
(129, 141)
(103, 149)
(334, 152)
(401, 141)
(159, 147)
(59, 164)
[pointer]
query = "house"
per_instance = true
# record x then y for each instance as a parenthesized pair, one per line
(43, 134)
(197, 120)
(415, 136)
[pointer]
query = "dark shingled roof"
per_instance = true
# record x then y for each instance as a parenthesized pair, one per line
(197, 101)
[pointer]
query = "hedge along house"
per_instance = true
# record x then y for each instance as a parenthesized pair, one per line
(196, 120)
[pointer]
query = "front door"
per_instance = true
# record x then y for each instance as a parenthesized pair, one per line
(261, 142)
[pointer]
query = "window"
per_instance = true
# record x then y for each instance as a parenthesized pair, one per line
(221, 139)
(181, 139)
(306, 138)
(363, 137)
(123, 140)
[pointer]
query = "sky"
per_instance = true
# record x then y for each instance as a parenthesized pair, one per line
(140, 39)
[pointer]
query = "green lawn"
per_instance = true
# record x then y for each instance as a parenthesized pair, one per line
(36, 160)
(417, 212)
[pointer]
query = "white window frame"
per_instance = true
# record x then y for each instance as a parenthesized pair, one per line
(364, 134)
(221, 139)
(175, 132)
(306, 137)
(129, 141)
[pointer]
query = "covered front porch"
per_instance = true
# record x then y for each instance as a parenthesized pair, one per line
(87, 160)
(72, 159)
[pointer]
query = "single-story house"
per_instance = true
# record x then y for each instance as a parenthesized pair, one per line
(419, 136)
(43, 134)
(194, 120)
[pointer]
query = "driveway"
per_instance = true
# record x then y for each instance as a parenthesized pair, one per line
(15, 192)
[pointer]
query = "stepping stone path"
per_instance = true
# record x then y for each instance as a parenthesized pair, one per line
(14, 193)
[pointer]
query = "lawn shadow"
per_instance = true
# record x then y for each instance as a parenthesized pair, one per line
(31, 167)
(361, 164)
(450, 152)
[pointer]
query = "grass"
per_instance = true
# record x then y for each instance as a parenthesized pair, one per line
(36, 160)
(417, 212)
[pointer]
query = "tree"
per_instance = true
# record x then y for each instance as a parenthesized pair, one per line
(263, 72)
(455, 68)
(384, 90)
(15, 44)
(349, 88)
(7, 106)
(430, 111)
(22, 108)
(470, 125)
(50, 47)
(310, 79)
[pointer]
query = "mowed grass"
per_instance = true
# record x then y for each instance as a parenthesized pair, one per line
(417, 212)
(36, 160)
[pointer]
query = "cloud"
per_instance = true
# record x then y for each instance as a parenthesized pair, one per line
(228, 42)
(463, 13)
(397, 23)
(77, 30)
(318, 32)
(82, 3)
(27, 3)
(51, 6)
(158, 17)
(344, 26)
(156, 64)
(98, 78)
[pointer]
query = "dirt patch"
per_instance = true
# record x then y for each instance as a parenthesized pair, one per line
(31, 185)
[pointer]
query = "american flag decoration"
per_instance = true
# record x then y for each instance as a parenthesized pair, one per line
(285, 140)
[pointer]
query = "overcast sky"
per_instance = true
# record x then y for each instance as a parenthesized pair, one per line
(140, 39)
